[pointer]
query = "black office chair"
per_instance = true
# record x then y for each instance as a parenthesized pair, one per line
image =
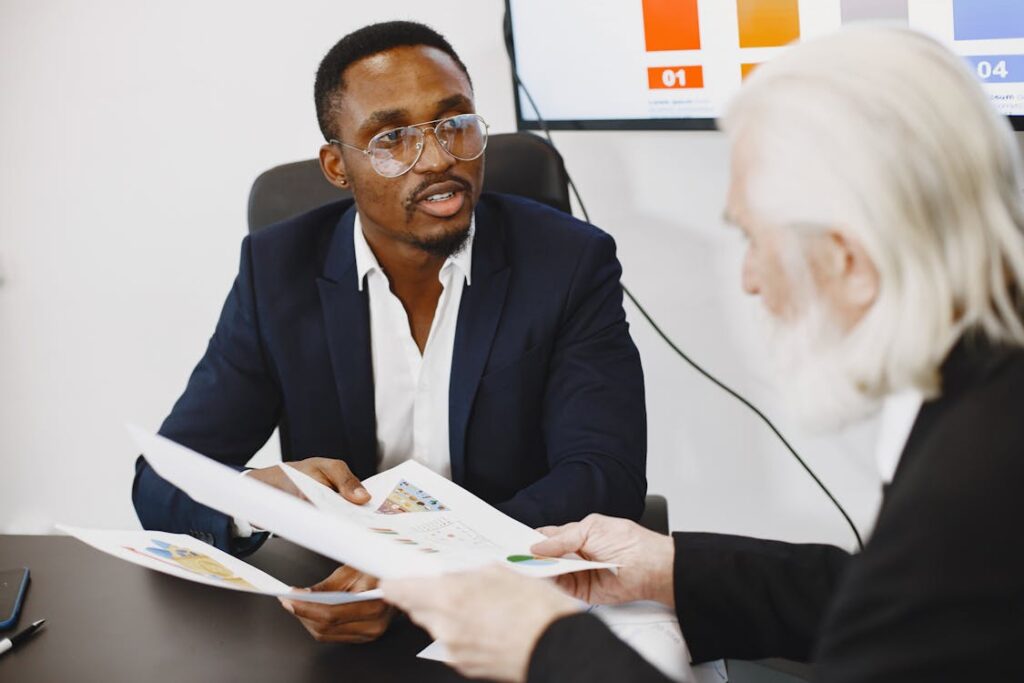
(517, 163)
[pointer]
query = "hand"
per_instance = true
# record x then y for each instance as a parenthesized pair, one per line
(489, 620)
(327, 471)
(356, 622)
(647, 560)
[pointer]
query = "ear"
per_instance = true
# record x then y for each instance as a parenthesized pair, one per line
(851, 269)
(333, 166)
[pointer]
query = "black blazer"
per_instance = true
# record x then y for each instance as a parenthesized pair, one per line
(937, 594)
(546, 403)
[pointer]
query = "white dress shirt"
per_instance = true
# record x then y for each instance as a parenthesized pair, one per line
(411, 389)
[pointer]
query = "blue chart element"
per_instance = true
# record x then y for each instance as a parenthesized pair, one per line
(988, 19)
(998, 68)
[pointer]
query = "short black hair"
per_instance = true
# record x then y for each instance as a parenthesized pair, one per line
(367, 41)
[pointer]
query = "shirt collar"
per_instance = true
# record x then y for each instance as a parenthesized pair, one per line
(366, 260)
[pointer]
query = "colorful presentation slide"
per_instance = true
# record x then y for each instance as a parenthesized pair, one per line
(621, 61)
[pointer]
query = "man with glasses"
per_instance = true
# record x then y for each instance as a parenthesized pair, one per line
(481, 335)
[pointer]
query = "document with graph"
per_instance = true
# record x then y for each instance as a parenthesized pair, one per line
(413, 507)
(417, 523)
(189, 558)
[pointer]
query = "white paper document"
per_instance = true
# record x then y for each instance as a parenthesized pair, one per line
(417, 523)
(652, 630)
(189, 558)
(415, 507)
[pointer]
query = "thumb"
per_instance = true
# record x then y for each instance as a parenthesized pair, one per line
(340, 478)
(568, 539)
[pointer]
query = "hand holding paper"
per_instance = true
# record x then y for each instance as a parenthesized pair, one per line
(347, 623)
(646, 558)
(331, 473)
(488, 620)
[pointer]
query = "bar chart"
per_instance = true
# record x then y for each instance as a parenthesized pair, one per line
(988, 19)
(874, 10)
(768, 23)
(671, 25)
(624, 61)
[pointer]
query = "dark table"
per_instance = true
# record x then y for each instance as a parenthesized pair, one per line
(109, 620)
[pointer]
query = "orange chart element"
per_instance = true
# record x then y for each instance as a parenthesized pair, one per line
(747, 69)
(675, 77)
(671, 25)
(768, 23)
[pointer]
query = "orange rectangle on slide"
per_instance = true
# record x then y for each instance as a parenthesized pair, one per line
(671, 25)
(675, 77)
(747, 69)
(768, 23)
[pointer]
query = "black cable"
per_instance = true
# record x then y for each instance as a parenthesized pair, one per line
(647, 316)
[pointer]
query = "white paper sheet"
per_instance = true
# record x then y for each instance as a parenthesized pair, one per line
(649, 628)
(188, 558)
(366, 537)
(414, 506)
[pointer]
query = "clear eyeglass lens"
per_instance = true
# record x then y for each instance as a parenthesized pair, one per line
(394, 152)
(463, 136)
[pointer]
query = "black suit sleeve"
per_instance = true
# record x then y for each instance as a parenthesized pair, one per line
(229, 409)
(582, 648)
(747, 598)
(736, 597)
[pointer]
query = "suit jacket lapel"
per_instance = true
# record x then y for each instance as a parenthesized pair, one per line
(347, 323)
(479, 313)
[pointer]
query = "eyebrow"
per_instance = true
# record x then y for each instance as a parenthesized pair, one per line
(453, 102)
(397, 117)
(386, 117)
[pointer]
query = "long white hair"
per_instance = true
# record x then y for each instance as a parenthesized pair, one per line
(885, 135)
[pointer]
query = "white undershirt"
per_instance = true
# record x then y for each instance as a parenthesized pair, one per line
(411, 389)
(899, 413)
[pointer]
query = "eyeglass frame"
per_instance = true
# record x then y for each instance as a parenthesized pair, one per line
(433, 125)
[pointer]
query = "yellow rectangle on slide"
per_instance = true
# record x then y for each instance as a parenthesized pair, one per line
(768, 23)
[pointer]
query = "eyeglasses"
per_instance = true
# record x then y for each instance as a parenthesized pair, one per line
(393, 152)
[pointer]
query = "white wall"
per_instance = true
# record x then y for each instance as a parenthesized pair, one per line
(129, 135)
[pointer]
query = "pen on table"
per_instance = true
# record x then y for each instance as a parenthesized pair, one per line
(7, 643)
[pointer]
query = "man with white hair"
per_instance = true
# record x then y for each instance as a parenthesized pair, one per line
(881, 197)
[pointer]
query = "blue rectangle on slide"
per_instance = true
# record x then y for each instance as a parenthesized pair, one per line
(988, 19)
(998, 68)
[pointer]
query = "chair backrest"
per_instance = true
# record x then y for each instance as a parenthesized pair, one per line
(517, 163)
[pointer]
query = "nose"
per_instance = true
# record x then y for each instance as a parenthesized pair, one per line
(749, 279)
(434, 158)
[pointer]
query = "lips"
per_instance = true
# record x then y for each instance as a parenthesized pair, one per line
(441, 200)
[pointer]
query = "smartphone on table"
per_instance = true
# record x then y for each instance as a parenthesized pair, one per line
(13, 583)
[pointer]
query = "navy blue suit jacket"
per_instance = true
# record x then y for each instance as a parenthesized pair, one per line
(546, 409)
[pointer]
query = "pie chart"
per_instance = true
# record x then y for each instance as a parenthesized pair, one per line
(532, 560)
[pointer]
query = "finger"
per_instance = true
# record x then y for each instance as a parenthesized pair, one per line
(570, 539)
(340, 478)
(352, 632)
(341, 579)
(336, 614)
(550, 530)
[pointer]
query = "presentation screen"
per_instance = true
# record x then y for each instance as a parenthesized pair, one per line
(642, 64)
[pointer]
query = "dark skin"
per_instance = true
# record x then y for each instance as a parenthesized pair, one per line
(399, 87)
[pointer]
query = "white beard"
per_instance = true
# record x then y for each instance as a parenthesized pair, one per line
(808, 365)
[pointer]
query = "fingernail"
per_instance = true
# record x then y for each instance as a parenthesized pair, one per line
(287, 605)
(362, 493)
